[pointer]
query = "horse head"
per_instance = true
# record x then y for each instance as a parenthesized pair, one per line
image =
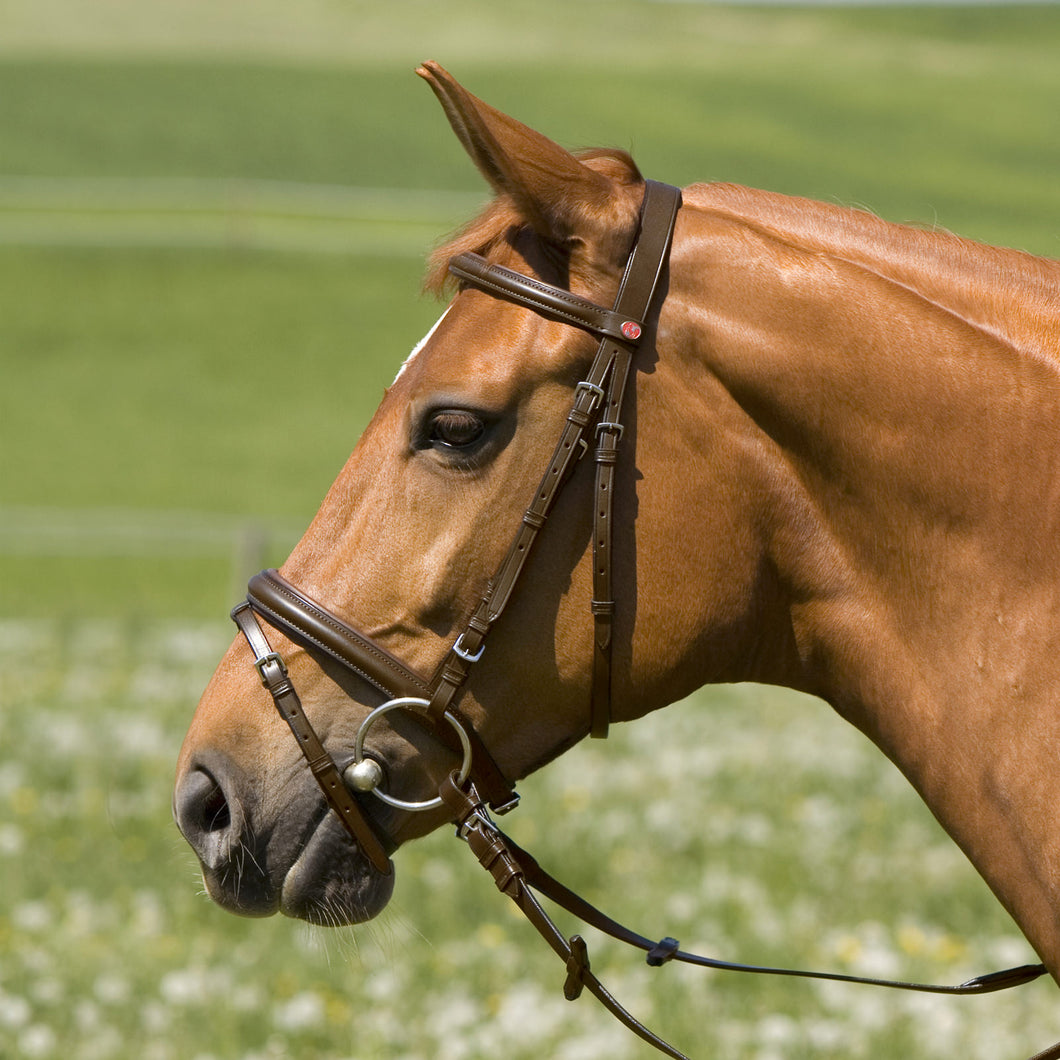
(407, 540)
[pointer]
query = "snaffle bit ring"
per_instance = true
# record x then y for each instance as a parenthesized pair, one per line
(365, 774)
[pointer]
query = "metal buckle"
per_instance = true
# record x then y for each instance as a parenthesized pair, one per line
(595, 392)
(458, 649)
(476, 821)
(610, 425)
(272, 657)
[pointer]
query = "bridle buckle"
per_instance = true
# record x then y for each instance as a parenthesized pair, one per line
(618, 429)
(460, 650)
(596, 394)
(272, 657)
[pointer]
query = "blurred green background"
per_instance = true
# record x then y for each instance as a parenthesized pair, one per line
(213, 222)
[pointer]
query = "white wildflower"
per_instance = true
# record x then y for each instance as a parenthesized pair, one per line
(112, 989)
(32, 916)
(37, 1040)
(303, 1012)
(15, 1011)
(11, 840)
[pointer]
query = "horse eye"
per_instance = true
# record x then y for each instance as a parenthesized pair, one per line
(455, 429)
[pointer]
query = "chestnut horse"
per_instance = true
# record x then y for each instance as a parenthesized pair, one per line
(841, 474)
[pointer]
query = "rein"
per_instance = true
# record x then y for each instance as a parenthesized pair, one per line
(479, 783)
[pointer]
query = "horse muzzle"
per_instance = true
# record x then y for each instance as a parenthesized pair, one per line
(303, 864)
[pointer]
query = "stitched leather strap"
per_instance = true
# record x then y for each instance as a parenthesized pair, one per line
(552, 302)
(636, 295)
(494, 852)
(289, 609)
(469, 646)
(1052, 1053)
(668, 949)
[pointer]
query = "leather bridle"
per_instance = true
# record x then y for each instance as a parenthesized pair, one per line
(598, 400)
(479, 782)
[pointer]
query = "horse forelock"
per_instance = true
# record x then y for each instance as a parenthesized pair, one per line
(500, 227)
(482, 235)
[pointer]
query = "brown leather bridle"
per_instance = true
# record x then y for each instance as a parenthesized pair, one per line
(598, 400)
(479, 782)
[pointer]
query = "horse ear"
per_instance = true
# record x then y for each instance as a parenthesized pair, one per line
(558, 195)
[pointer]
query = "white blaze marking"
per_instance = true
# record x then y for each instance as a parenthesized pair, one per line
(423, 342)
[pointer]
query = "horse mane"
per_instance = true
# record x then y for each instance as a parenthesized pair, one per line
(500, 220)
(1009, 293)
(829, 224)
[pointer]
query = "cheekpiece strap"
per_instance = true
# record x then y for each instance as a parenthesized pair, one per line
(600, 396)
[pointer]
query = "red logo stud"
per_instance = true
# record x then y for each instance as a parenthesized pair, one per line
(631, 330)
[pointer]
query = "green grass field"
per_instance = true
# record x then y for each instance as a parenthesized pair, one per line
(212, 230)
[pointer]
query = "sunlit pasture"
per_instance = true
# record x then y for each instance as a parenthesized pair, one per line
(746, 822)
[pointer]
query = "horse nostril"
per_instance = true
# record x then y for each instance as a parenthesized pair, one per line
(204, 814)
(216, 815)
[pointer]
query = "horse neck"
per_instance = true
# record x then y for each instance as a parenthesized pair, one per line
(903, 421)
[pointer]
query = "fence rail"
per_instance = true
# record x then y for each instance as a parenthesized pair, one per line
(242, 213)
(26, 531)
(246, 543)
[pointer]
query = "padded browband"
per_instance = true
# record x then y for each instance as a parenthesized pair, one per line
(552, 302)
(283, 606)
